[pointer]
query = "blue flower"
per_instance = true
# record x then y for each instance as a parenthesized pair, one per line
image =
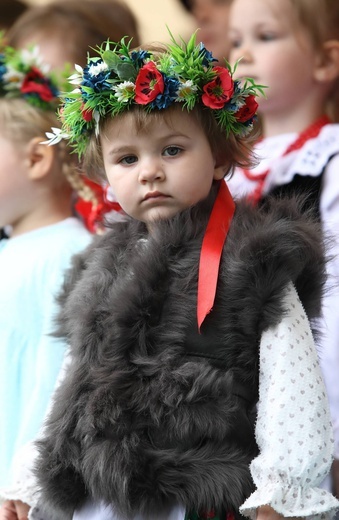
(169, 95)
(95, 76)
(206, 55)
(3, 68)
(139, 57)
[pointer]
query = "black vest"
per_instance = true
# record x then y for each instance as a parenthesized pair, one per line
(152, 413)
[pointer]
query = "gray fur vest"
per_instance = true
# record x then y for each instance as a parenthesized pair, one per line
(152, 413)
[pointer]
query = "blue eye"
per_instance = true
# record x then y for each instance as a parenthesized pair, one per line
(172, 151)
(129, 159)
(235, 44)
(268, 37)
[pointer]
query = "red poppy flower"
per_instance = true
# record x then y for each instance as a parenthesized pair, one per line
(87, 113)
(35, 83)
(218, 91)
(248, 110)
(149, 84)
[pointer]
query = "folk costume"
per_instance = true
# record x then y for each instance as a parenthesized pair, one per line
(154, 414)
(178, 332)
(306, 163)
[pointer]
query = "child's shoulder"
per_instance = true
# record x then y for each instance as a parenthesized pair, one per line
(277, 243)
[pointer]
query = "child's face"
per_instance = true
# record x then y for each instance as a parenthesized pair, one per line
(274, 50)
(160, 171)
(14, 183)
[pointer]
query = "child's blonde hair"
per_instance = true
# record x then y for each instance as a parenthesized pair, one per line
(20, 122)
(321, 19)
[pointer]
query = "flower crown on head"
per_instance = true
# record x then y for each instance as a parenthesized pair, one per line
(184, 73)
(24, 75)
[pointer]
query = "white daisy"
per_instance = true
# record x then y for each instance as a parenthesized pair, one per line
(12, 79)
(186, 88)
(124, 91)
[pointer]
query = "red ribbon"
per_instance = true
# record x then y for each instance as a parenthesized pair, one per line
(211, 250)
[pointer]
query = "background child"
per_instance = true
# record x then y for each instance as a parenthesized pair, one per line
(87, 23)
(166, 313)
(211, 17)
(35, 200)
(285, 46)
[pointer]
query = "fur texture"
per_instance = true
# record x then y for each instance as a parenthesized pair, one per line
(152, 413)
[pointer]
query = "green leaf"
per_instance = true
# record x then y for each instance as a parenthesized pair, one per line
(126, 71)
(111, 59)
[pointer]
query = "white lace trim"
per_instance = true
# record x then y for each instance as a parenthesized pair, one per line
(310, 160)
(313, 503)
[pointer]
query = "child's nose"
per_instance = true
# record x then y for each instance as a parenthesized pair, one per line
(150, 171)
(243, 53)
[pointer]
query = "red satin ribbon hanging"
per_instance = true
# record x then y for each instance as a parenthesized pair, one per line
(211, 250)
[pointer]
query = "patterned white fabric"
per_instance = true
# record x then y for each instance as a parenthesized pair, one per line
(293, 428)
(318, 154)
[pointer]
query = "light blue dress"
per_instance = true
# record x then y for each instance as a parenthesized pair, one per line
(32, 266)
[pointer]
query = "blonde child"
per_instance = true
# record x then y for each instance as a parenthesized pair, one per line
(35, 201)
(181, 318)
(292, 46)
(86, 23)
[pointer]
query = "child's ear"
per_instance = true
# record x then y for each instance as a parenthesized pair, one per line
(40, 158)
(327, 67)
(220, 170)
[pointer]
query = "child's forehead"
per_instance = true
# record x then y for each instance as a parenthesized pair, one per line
(135, 122)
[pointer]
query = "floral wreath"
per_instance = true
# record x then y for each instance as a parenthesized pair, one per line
(23, 74)
(186, 73)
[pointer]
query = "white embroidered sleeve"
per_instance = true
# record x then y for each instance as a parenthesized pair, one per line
(329, 342)
(24, 485)
(293, 429)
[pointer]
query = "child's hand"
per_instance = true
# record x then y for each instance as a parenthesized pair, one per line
(14, 510)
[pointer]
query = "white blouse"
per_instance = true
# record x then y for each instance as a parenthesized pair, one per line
(319, 154)
(293, 431)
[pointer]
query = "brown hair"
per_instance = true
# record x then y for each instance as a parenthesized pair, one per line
(86, 23)
(232, 149)
(320, 18)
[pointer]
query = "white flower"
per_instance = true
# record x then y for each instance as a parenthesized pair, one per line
(94, 70)
(12, 78)
(32, 57)
(76, 78)
(124, 91)
(185, 89)
(55, 136)
(96, 117)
